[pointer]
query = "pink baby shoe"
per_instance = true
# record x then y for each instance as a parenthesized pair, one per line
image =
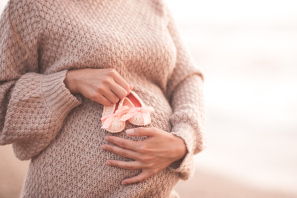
(139, 113)
(111, 117)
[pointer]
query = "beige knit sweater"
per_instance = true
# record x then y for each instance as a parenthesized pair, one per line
(61, 132)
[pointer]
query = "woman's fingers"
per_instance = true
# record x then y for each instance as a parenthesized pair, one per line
(123, 164)
(101, 85)
(112, 97)
(100, 99)
(142, 131)
(155, 153)
(118, 90)
(120, 80)
(117, 86)
(124, 143)
(142, 176)
(121, 151)
(131, 87)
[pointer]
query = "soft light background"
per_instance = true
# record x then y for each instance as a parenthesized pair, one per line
(247, 50)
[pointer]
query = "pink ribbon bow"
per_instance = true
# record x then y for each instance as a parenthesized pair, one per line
(109, 118)
(134, 110)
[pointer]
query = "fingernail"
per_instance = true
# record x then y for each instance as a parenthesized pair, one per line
(104, 147)
(130, 131)
(108, 163)
(124, 182)
(107, 138)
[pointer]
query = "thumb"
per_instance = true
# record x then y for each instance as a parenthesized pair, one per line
(130, 88)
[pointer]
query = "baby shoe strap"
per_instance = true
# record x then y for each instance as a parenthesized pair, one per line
(134, 110)
(109, 118)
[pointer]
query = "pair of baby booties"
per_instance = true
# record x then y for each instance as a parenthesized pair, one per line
(130, 108)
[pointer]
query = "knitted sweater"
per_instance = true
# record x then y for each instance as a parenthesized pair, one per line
(61, 132)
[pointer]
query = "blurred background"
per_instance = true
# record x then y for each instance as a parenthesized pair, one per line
(248, 53)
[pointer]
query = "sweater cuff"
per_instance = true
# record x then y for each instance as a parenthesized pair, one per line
(185, 166)
(57, 96)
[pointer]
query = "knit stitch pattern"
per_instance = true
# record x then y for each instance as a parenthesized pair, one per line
(60, 132)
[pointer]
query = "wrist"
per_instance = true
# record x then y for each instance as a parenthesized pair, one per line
(180, 152)
(181, 149)
(70, 82)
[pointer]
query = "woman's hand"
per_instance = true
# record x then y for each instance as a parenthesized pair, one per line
(105, 86)
(159, 150)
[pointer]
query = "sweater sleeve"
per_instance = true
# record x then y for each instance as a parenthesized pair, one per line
(185, 93)
(33, 106)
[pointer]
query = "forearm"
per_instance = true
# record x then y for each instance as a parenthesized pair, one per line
(188, 120)
(33, 110)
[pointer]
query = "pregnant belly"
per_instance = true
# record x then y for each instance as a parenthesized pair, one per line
(75, 157)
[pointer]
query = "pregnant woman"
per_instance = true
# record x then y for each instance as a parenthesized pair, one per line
(62, 62)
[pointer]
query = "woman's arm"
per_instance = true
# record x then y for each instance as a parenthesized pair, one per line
(188, 121)
(32, 105)
(185, 94)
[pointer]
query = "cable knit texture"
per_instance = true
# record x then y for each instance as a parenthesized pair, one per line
(60, 132)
